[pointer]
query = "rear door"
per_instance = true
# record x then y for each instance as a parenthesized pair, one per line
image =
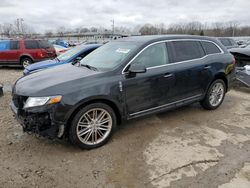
(32, 49)
(189, 69)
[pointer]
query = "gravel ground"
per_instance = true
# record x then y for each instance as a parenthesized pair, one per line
(187, 147)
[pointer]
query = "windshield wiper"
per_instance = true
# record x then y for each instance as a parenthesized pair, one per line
(89, 67)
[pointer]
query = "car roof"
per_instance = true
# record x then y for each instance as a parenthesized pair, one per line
(88, 46)
(155, 38)
(149, 39)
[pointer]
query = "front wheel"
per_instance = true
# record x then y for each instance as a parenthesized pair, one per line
(215, 95)
(92, 126)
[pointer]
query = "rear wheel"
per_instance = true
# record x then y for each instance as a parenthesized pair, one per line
(25, 62)
(92, 126)
(215, 95)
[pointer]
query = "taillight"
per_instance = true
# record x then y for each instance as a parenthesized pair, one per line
(234, 61)
(62, 51)
(41, 54)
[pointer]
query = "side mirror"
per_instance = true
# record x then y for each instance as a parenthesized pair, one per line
(136, 68)
(78, 59)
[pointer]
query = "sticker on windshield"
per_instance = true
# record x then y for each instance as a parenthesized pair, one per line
(124, 51)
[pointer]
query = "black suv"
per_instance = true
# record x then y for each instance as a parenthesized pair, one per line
(122, 80)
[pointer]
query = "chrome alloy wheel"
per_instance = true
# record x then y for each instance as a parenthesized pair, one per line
(216, 95)
(94, 126)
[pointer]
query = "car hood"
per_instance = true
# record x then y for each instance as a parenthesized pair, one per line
(243, 51)
(54, 81)
(41, 64)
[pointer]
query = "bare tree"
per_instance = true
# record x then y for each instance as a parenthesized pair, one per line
(8, 29)
(93, 29)
(148, 29)
(61, 31)
(48, 33)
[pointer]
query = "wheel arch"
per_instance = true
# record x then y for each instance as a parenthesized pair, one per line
(221, 76)
(108, 102)
(25, 56)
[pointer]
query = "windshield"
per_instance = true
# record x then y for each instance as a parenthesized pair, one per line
(68, 54)
(109, 55)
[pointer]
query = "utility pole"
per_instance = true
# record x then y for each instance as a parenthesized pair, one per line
(19, 23)
(113, 26)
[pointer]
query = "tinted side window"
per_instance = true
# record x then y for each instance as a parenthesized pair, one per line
(186, 50)
(210, 48)
(225, 42)
(31, 44)
(86, 53)
(154, 55)
(4, 45)
(14, 45)
(44, 44)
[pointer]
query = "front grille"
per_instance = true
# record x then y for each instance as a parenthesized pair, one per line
(19, 101)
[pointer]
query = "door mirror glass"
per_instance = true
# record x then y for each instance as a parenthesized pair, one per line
(79, 58)
(137, 68)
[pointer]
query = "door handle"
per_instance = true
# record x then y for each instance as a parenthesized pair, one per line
(207, 67)
(168, 75)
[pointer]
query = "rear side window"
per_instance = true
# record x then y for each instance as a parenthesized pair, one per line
(155, 55)
(4, 45)
(210, 48)
(31, 44)
(225, 42)
(44, 44)
(186, 50)
(14, 45)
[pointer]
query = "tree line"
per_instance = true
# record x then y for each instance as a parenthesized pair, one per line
(218, 29)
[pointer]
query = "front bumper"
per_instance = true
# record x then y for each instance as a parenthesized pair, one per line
(38, 121)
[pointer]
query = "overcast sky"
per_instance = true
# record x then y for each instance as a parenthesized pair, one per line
(50, 14)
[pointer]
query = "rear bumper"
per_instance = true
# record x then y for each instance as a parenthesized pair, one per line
(38, 121)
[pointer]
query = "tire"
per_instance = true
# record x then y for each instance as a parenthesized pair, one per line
(86, 126)
(26, 62)
(208, 103)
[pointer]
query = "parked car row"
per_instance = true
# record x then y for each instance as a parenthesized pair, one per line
(119, 81)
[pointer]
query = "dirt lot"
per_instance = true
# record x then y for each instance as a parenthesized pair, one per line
(188, 147)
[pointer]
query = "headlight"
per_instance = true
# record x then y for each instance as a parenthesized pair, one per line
(40, 101)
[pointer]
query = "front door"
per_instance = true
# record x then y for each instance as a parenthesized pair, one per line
(146, 91)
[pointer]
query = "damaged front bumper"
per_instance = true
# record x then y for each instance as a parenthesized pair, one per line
(39, 121)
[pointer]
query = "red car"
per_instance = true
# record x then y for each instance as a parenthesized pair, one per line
(25, 51)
